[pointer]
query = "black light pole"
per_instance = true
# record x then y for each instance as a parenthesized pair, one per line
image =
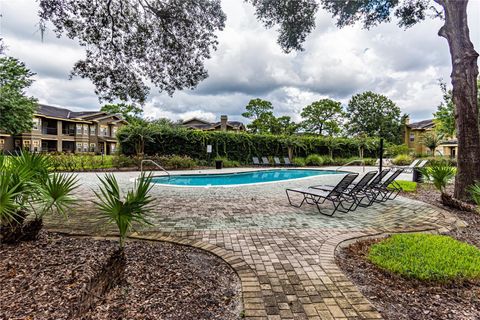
(381, 155)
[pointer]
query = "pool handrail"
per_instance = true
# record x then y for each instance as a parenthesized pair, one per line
(353, 161)
(156, 164)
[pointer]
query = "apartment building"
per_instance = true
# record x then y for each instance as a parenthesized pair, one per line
(222, 125)
(62, 130)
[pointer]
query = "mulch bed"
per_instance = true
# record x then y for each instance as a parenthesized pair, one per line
(399, 298)
(43, 279)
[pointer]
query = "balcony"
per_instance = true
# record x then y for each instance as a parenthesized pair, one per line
(68, 132)
(49, 130)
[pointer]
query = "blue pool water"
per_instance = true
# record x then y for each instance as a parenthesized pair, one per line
(239, 178)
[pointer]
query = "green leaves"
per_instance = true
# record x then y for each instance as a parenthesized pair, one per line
(16, 109)
(374, 115)
(474, 191)
(55, 195)
(124, 212)
(131, 44)
(440, 175)
(323, 117)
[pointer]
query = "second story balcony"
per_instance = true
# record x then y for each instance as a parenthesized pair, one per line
(49, 130)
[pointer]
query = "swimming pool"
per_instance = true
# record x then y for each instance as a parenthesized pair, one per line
(239, 178)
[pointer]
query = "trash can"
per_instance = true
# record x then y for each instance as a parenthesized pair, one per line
(417, 176)
(218, 164)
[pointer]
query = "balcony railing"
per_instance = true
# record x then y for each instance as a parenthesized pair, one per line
(49, 130)
(68, 132)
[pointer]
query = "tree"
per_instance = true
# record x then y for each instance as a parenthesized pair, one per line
(129, 112)
(297, 18)
(130, 43)
(322, 116)
(431, 140)
(137, 134)
(256, 108)
(16, 107)
(445, 115)
(444, 118)
(285, 126)
(374, 115)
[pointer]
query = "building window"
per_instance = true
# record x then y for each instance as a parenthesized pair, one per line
(85, 147)
(26, 144)
(104, 131)
(85, 129)
(79, 129)
(92, 130)
(113, 147)
(92, 147)
(79, 146)
(2, 144)
(412, 137)
(114, 131)
(36, 123)
(36, 145)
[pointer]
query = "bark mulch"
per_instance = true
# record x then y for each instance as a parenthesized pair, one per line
(399, 298)
(44, 278)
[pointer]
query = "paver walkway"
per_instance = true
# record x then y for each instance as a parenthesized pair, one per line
(283, 255)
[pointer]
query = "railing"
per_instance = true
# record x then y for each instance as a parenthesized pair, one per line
(156, 164)
(346, 164)
(49, 130)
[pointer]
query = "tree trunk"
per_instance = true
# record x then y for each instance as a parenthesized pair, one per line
(464, 79)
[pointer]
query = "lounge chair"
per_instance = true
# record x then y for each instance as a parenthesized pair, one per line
(287, 162)
(317, 196)
(265, 161)
(408, 168)
(356, 192)
(277, 162)
(255, 161)
(381, 190)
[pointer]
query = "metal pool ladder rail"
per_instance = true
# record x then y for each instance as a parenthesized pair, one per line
(156, 164)
(346, 164)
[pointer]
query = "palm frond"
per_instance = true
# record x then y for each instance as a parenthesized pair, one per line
(124, 212)
(56, 193)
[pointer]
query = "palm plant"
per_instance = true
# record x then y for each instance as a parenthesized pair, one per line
(431, 140)
(27, 187)
(475, 193)
(440, 175)
(133, 208)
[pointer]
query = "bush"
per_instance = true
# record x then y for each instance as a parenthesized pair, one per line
(427, 257)
(299, 162)
(178, 162)
(440, 175)
(402, 160)
(241, 146)
(474, 191)
(395, 150)
(228, 163)
(314, 160)
(435, 161)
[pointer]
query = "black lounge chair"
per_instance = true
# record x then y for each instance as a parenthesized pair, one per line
(277, 162)
(255, 161)
(383, 193)
(287, 162)
(356, 192)
(317, 196)
(265, 161)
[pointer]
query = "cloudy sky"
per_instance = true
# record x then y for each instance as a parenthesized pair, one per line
(404, 65)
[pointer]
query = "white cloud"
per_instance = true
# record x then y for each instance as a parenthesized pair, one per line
(336, 63)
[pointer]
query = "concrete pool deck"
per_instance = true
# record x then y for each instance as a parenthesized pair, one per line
(283, 255)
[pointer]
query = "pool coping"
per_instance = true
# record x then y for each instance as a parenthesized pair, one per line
(245, 184)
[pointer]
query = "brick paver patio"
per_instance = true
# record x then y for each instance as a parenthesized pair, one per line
(283, 255)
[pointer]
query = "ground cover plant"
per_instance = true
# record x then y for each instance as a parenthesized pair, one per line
(427, 257)
(405, 186)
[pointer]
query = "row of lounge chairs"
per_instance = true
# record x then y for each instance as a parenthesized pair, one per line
(348, 195)
(276, 161)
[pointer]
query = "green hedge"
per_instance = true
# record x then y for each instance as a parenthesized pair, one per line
(243, 146)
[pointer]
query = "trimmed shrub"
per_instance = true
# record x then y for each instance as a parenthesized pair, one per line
(228, 163)
(314, 160)
(402, 160)
(395, 150)
(299, 161)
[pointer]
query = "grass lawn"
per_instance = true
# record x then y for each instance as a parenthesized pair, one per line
(407, 186)
(427, 257)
